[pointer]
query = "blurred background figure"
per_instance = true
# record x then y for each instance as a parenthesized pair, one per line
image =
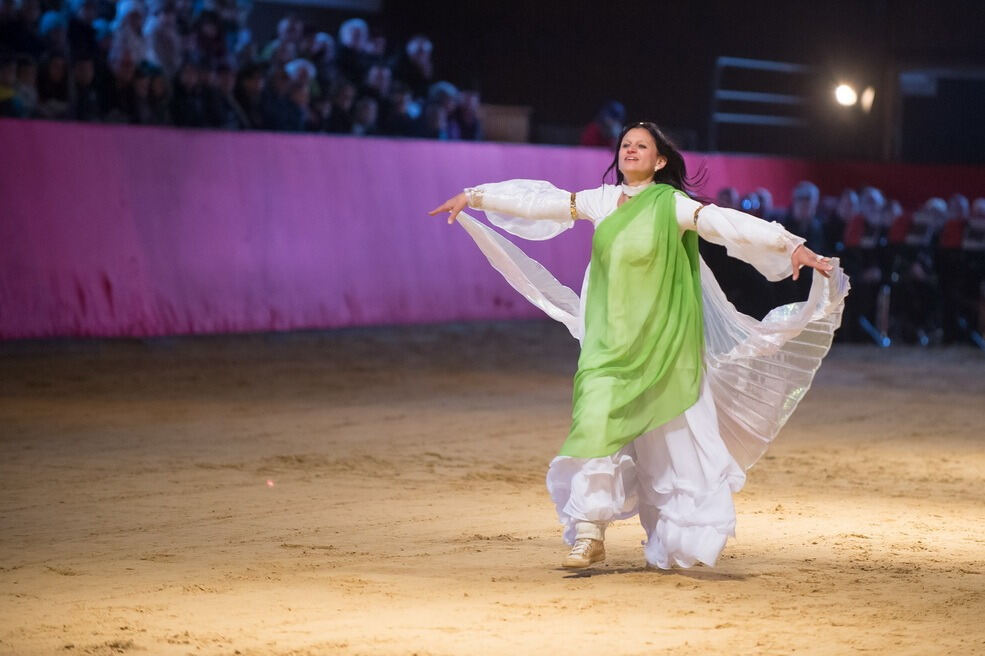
(802, 218)
(766, 209)
(415, 67)
(727, 197)
(605, 127)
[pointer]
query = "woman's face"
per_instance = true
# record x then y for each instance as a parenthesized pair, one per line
(638, 156)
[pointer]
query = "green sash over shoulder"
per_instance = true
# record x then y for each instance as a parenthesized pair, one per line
(641, 357)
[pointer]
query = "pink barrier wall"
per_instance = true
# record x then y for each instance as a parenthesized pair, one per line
(124, 231)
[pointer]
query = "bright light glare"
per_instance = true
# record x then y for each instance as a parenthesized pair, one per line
(845, 95)
(868, 97)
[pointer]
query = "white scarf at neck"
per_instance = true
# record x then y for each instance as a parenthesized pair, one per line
(632, 191)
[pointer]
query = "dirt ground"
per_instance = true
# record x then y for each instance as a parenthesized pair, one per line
(381, 492)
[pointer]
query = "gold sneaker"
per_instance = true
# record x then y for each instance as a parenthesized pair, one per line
(584, 552)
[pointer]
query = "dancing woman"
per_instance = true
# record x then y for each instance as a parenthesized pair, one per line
(677, 394)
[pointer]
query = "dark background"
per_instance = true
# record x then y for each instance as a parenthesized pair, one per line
(564, 58)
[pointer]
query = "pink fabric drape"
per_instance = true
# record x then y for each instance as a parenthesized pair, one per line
(126, 231)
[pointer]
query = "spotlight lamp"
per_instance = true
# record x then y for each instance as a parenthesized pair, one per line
(845, 95)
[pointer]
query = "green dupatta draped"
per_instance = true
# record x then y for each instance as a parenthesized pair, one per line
(641, 357)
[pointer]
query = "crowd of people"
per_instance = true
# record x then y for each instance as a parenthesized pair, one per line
(917, 276)
(195, 64)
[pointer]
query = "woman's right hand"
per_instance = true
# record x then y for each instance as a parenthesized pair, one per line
(453, 206)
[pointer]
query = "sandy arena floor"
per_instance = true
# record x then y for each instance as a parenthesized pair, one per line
(381, 492)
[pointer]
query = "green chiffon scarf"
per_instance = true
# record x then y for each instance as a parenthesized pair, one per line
(641, 356)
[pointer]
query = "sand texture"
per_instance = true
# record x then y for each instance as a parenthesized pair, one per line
(381, 492)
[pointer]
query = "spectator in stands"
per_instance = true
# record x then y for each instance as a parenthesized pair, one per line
(27, 84)
(364, 115)
(871, 203)
(81, 34)
(278, 113)
(957, 207)
(188, 103)
(104, 40)
(128, 31)
(837, 222)
(401, 119)
(249, 94)
(117, 95)
(978, 209)
(766, 209)
(355, 54)
(727, 197)
(466, 116)
(915, 300)
(301, 71)
(242, 46)
(605, 127)
(863, 260)
(164, 48)
(802, 219)
(290, 29)
(892, 211)
(343, 98)
(53, 89)
(377, 83)
(140, 108)
(434, 123)
(323, 57)
(223, 110)
(11, 104)
(210, 44)
(445, 95)
(228, 15)
(377, 46)
(297, 115)
(321, 113)
(18, 33)
(949, 238)
(160, 97)
(415, 68)
(86, 103)
(53, 29)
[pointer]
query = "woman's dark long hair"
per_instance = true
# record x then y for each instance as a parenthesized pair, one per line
(673, 173)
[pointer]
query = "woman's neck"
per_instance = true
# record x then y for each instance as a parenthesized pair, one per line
(637, 182)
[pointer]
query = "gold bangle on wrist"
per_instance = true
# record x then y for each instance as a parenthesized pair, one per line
(475, 198)
(574, 208)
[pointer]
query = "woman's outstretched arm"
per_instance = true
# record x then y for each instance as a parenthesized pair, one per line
(531, 209)
(525, 199)
(766, 245)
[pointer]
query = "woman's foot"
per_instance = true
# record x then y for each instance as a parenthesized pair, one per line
(584, 552)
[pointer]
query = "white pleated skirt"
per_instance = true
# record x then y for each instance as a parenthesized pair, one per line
(679, 478)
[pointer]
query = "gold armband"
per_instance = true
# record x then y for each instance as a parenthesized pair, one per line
(698, 209)
(574, 209)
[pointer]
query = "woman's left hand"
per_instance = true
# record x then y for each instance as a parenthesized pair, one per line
(803, 256)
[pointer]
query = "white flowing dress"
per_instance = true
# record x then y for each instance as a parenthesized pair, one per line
(679, 478)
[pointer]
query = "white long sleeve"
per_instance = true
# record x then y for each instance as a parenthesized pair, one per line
(766, 245)
(532, 209)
